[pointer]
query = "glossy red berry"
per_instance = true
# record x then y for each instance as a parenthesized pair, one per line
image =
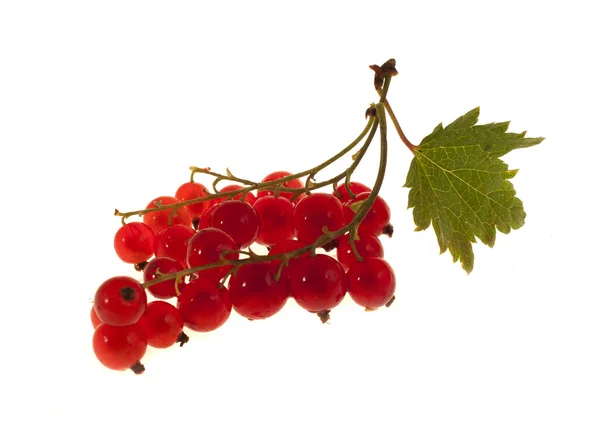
(94, 318)
(159, 266)
(238, 219)
(317, 283)
(275, 215)
(162, 324)
(133, 242)
(342, 193)
(120, 347)
(371, 283)
(314, 212)
(206, 247)
(367, 246)
(206, 217)
(120, 301)
(286, 247)
(172, 242)
(377, 219)
(254, 292)
(294, 183)
(159, 220)
(191, 191)
(203, 305)
(249, 198)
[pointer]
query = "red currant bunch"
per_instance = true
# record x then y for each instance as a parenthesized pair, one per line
(247, 247)
(189, 249)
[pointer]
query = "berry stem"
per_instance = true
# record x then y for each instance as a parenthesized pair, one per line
(220, 177)
(333, 181)
(367, 203)
(379, 122)
(277, 184)
(177, 282)
(391, 301)
(352, 240)
(282, 265)
(257, 185)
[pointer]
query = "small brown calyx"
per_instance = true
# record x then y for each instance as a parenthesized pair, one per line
(182, 338)
(331, 245)
(324, 315)
(140, 266)
(127, 293)
(138, 368)
(388, 230)
(196, 223)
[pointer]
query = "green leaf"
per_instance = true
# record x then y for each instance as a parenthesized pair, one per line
(459, 184)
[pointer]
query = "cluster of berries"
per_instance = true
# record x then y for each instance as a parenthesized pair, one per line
(212, 234)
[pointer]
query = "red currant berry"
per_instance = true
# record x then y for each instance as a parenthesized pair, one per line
(275, 215)
(286, 247)
(206, 247)
(206, 217)
(157, 267)
(317, 283)
(377, 219)
(249, 198)
(254, 292)
(163, 324)
(159, 220)
(203, 305)
(133, 242)
(313, 213)
(94, 318)
(120, 301)
(372, 283)
(120, 347)
(294, 183)
(191, 191)
(341, 191)
(172, 242)
(367, 246)
(238, 219)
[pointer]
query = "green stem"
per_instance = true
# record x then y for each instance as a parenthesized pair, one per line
(343, 175)
(382, 157)
(351, 238)
(276, 184)
(323, 239)
(388, 108)
(368, 202)
(253, 185)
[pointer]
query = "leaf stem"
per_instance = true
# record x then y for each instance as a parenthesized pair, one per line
(394, 119)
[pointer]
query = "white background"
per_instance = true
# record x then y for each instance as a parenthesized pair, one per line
(107, 104)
